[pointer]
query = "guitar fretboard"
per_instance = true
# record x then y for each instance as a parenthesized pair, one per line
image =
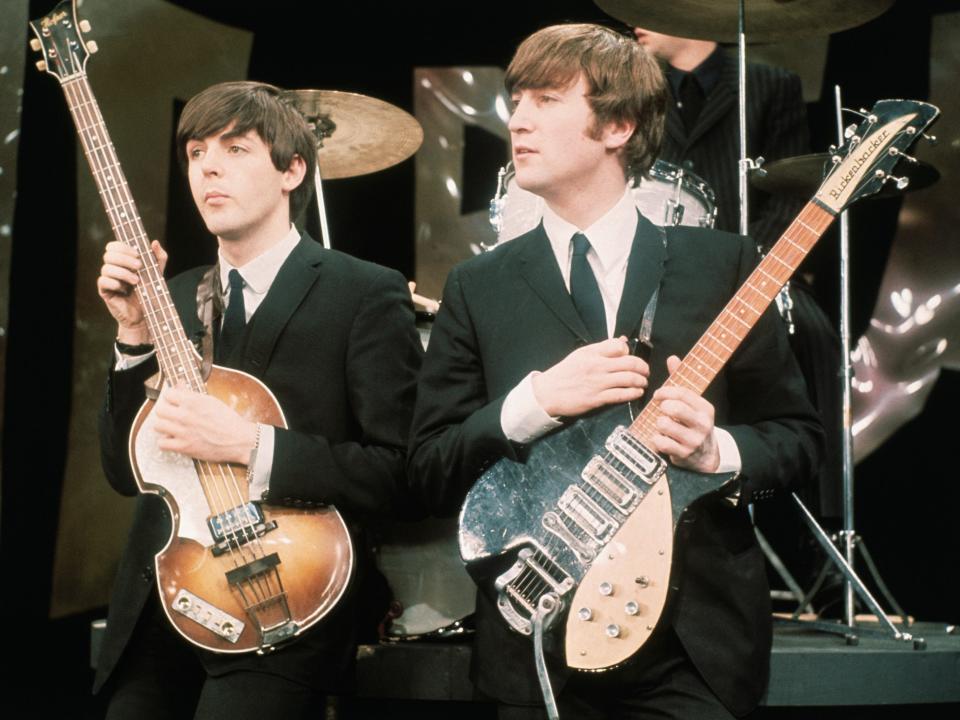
(174, 351)
(721, 339)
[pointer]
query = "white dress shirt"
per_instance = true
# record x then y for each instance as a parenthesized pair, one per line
(522, 418)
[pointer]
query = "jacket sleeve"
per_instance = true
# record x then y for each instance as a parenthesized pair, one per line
(124, 396)
(456, 431)
(365, 474)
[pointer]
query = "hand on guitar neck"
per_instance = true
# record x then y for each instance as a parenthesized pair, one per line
(686, 433)
(116, 287)
(197, 425)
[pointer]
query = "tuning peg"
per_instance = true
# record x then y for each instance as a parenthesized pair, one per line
(849, 131)
(897, 153)
(901, 182)
(92, 46)
(35, 44)
(85, 26)
(41, 65)
(932, 139)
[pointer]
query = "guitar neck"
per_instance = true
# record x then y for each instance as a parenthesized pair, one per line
(174, 351)
(715, 347)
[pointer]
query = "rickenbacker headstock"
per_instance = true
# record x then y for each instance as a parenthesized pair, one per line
(862, 165)
(59, 36)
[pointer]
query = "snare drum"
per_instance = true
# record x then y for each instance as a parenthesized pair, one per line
(670, 195)
(666, 195)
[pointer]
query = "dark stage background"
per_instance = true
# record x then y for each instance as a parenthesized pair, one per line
(62, 529)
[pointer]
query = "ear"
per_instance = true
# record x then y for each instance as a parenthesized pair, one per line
(293, 175)
(617, 133)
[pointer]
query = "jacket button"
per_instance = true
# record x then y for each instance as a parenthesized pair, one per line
(147, 574)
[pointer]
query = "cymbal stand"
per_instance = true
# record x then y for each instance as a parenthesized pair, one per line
(784, 303)
(848, 538)
(321, 207)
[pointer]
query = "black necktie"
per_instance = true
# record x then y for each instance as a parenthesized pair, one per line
(234, 319)
(691, 100)
(585, 291)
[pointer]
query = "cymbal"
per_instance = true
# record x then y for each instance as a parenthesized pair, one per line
(356, 134)
(803, 174)
(765, 20)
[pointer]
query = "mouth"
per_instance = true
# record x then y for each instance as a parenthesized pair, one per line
(520, 151)
(214, 197)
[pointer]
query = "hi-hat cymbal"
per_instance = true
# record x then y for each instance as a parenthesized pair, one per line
(356, 134)
(765, 20)
(803, 174)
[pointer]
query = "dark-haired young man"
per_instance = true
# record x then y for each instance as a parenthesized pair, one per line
(332, 337)
(534, 334)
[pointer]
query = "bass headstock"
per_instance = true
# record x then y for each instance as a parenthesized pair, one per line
(863, 164)
(59, 37)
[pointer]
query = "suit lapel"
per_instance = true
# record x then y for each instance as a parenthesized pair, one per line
(538, 266)
(644, 269)
(296, 277)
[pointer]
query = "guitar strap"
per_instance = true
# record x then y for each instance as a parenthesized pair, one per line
(209, 310)
(641, 336)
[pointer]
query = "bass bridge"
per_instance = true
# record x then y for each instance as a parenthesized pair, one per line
(533, 576)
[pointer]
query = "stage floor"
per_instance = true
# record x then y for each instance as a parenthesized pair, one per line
(808, 668)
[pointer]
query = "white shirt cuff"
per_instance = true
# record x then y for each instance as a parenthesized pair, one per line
(521, 417)
(126, 362)
(729, 452)
(262, 463)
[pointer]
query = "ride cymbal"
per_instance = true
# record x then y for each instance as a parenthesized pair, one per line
(764, 21)
(356, 134)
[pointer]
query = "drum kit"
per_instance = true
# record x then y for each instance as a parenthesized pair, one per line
(358, 135)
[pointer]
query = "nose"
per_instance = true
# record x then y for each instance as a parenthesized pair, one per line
(520, 119)
(210, 161)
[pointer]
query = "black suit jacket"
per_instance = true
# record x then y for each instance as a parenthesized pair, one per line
(776, 129)
(507, 313)
(335, 342)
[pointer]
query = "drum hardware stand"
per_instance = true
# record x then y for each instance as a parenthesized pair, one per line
(322, 127)
(784, 303)
(849, 540)
(321, 208)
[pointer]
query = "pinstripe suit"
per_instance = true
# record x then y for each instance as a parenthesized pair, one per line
(776, 128)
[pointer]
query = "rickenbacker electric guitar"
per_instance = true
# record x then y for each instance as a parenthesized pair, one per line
(236, 575)
(585, 528)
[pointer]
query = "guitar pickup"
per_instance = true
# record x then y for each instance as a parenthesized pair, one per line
(238, 526)
(581, 509)
(637, 458)
(612, 485)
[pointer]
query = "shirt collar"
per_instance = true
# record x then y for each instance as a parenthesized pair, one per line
(259, 273)
(611, 236)
(707, 73)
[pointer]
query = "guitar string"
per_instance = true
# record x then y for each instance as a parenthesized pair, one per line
(112, 184)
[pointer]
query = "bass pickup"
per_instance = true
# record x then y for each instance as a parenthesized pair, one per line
(237, 527)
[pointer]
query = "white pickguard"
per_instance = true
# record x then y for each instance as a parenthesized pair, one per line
(178, 476)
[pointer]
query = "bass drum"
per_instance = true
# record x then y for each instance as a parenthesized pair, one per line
(666, 195)
(432, 592)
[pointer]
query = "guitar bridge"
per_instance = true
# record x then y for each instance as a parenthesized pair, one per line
(520, 588)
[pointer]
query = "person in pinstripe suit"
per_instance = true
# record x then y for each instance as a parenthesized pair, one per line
(702, 135)
(702, 125)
